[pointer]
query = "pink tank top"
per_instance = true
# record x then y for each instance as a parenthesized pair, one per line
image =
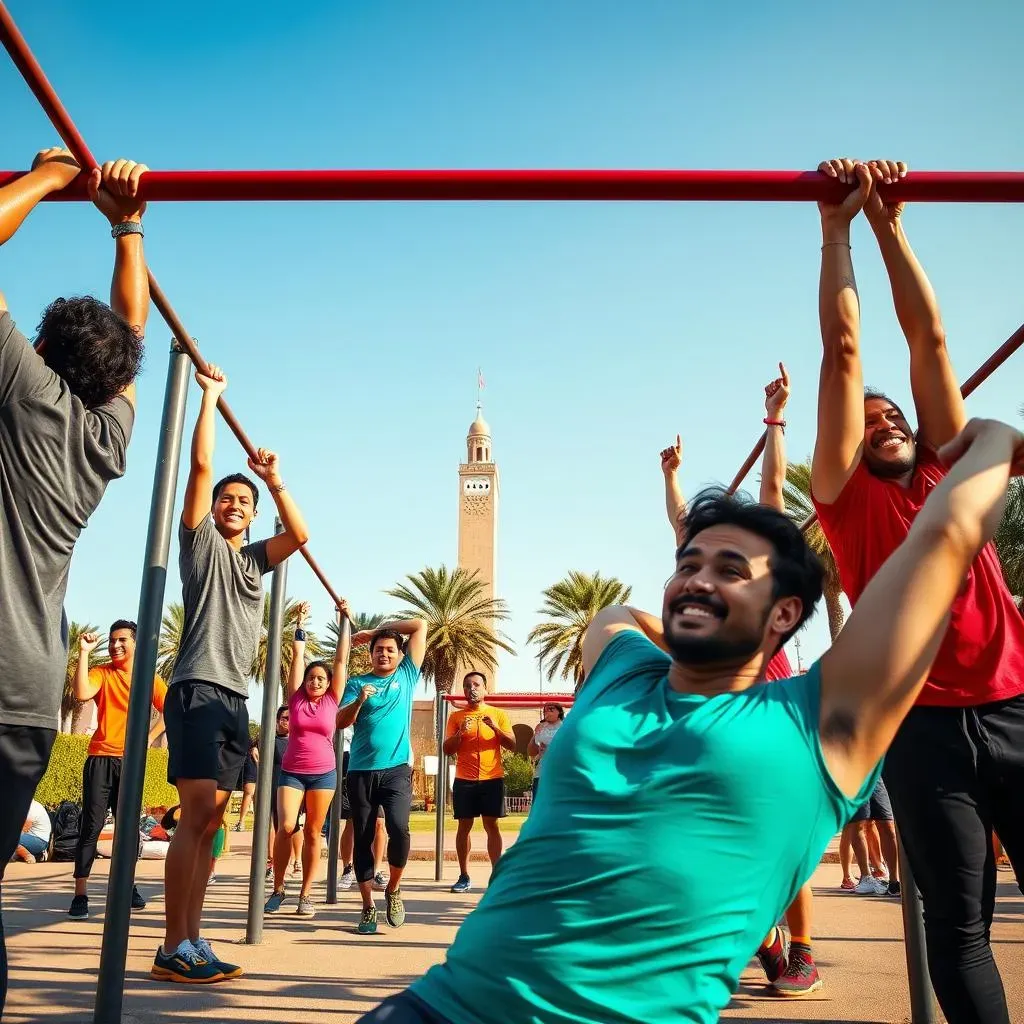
(310, 734)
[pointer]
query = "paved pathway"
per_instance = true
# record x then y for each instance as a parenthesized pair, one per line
(321, 972)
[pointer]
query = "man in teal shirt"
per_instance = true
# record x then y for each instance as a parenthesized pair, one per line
(379, 707)
(653, 863)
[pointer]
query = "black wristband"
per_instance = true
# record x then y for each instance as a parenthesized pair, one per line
(300, 634)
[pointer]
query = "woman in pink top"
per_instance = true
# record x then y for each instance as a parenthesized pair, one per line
(308, 773)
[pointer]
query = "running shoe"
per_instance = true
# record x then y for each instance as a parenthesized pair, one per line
(185, 965)
(801, 976)
(395, 909)
(273, 905)
(207, 953)
(894, 889)
(348, 877)
(79, 909)
(462, 885)
(380, 882)
(305, 907)
(368, 922)
(848, 885)
(773, 956)
(870, 886)
(138, 903)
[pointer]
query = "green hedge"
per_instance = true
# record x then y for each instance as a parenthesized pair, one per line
(518, 773)
(63, 778)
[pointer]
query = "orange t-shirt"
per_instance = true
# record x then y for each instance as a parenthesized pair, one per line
(479, 757)
(112, 708)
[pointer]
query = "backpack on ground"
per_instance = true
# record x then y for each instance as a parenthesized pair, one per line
(67, 826)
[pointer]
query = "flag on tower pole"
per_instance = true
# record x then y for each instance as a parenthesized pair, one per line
(480, 379)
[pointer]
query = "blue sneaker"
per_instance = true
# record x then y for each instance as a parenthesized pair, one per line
(207, 953)
(462, 885)
(273, 905)
(185, 965)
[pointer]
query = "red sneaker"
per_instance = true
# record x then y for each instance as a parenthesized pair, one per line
(848, 885)
(773, 957)
(801, 976)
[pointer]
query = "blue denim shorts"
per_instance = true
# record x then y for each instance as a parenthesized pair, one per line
(300, 780)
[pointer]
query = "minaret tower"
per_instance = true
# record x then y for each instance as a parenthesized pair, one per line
(478, 512)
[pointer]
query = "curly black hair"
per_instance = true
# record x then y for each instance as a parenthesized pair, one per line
(93, 349)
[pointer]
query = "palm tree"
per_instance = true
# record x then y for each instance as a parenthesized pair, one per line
(796, 493)
(359, 657)
(71, 709)
(171, 628)
(460, 622)
(571, 605)
(1009, 538)
(259, 664)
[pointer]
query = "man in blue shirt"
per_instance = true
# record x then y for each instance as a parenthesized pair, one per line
(379, 707)
(653, 863)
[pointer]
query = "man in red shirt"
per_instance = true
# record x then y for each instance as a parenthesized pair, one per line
(956, 767)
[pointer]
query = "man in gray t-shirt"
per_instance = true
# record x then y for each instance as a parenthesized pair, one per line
(205, 713)
(67, 407)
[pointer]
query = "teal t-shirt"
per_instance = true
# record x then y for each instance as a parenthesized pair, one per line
(670, 833)
(380, 736)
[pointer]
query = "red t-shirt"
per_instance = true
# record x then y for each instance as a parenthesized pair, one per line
(981, 658)
(778, 667)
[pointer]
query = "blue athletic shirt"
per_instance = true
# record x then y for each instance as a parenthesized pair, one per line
(380, 736)
(670, 833)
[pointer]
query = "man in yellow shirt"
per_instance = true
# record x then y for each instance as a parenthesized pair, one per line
(476, 735)
(109, 685)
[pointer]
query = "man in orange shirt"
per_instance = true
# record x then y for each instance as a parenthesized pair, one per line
(476, 735)
(109, 685)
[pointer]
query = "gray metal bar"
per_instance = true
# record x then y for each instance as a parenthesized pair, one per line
(922, 996)
(114, 949)
(268, 729)
(334, 832)
(440, 786)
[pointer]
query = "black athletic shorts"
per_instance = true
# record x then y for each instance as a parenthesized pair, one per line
(877, 807)
(484, 799)
(403, 1008)
(24, 755)
(207, 733)
(249, 773)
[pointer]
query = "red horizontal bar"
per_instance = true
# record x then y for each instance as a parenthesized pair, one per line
(564, 185)
(516, 698)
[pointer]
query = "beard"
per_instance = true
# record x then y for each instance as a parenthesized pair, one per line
(728, 646)
(891, 469)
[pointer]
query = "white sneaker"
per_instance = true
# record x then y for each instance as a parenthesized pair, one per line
(869, 886)
(348, 877)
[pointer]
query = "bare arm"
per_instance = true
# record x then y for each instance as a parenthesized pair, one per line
(616, 619)
(454, 741)
(199, 489)
(349, 712)
(940, 406)
(773, 466)
(414, 629)
(840, 439)
(155, 731)
(296, 533)
(874, 671)
(675, 503)
(52, 169)
(533, 748)
(82, 687)
(339, 673)
(298, 666)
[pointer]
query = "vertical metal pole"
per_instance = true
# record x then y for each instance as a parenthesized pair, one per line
(440, 786)
(114, 950)
(334, 833)
(268, 729)
(922, 996)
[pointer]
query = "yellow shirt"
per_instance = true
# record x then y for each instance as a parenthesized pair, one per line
(479, 756)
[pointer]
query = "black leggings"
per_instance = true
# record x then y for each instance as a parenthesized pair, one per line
(101, 783)
(390, 789)
(954, 775)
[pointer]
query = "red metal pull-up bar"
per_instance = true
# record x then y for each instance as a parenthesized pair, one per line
(537, 185)
(518, 699)
(15, 44)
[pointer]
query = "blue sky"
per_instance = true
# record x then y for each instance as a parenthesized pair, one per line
(351, 333)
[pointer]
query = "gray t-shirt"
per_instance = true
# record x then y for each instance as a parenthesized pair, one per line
(222, 590)
(56, 459)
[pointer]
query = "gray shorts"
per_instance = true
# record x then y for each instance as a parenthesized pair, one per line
(877, 807)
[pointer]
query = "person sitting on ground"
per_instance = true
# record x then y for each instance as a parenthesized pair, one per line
(308, 772)
(476, 736)
(67, 407)
(379, 707)
(205, 713)
(871, 476)
(551, 721)
(667, 753)
(36, 830)
(109, 685)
